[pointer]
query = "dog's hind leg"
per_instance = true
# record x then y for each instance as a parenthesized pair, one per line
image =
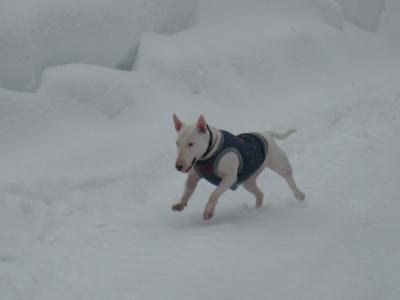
(251, 186)
(285, 170)
(299, 195)
(279, 163)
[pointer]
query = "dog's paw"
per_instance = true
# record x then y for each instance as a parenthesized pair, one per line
(259, 203)
(299, 195)
(178, 206)
(207, 215)
(209, 211)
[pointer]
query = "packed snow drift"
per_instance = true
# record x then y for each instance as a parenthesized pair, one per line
(37, 34)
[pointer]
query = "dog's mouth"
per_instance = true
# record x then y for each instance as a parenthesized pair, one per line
(191, 165)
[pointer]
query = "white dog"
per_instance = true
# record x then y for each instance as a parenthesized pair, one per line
(228, 161)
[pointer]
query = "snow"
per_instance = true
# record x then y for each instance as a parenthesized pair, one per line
(87, 174)
(332, 13)
(363, 13)
(37, 34)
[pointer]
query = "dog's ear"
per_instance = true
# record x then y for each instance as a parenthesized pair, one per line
(178, 123)
(201, 124)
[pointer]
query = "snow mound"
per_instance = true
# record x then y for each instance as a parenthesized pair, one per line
(295, 53)
(332, 13)
(41, 33)
(107, 90)
(363, 13)
(390, 20)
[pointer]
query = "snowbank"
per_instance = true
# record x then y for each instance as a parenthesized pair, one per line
(380, 16)
(109, 91)
(270, 50)
(41, 33)
(390, 21)
(363, 13)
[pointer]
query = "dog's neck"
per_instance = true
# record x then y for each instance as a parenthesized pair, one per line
(216, 134)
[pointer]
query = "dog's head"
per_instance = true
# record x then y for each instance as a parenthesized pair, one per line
(192, 142)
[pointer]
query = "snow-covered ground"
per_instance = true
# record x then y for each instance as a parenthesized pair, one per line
(87, 173)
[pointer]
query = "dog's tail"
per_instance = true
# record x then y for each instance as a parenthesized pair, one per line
(282, 136)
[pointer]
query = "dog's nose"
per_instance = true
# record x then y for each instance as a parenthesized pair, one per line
(179, 167)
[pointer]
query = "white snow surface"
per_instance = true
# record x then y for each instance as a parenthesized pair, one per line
(37, 34)
(87, 173)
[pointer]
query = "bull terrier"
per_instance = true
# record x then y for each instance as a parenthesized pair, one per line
(228, 161)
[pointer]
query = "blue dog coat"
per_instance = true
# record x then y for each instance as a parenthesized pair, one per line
(251, 148)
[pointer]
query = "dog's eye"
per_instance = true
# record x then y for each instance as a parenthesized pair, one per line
(190, 144)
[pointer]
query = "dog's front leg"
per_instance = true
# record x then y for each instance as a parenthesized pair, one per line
(190, 185)
(227, 170)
